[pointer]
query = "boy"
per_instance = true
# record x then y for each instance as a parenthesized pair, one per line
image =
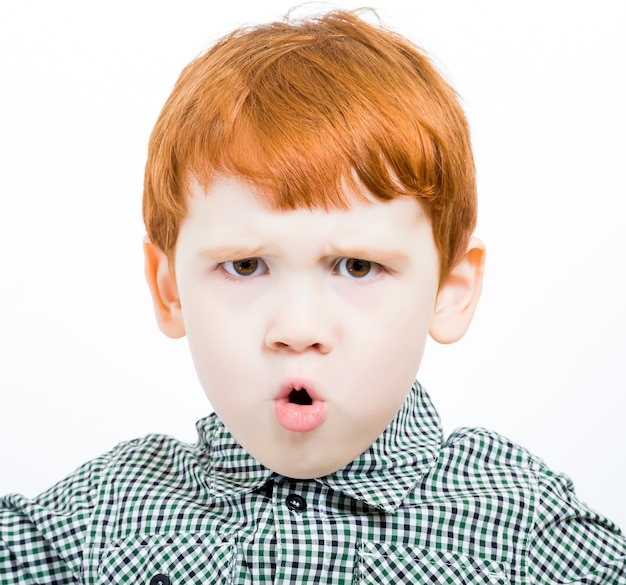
(309, 201)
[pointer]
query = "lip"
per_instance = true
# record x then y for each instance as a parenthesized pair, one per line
(297, 384)
(299, 418)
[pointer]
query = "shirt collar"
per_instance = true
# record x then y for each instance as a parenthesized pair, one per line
(382, 476)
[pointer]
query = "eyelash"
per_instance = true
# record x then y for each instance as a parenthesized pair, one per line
(339, 267)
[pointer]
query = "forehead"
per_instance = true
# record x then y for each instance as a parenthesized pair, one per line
(229, 206)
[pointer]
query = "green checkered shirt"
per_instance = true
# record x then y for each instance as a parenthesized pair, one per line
(414, 508)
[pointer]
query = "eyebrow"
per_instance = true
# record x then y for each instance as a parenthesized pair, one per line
(233, 252)
(240, 252)
(380, 255)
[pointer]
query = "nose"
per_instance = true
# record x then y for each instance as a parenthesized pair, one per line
(301, 321)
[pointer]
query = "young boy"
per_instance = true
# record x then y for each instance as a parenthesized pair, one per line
(309, 201)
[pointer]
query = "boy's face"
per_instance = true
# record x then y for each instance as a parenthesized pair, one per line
(330, 309)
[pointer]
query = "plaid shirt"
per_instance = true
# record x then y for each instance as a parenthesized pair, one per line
(473, 509)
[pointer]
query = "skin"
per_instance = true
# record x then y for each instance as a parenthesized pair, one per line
(337, 302)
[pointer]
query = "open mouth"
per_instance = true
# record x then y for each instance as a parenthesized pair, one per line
(300, 396)
(298, 407)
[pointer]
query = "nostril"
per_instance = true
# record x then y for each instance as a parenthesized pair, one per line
(300, 397)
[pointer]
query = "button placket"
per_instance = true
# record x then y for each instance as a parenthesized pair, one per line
(292, 527)
(307, 541)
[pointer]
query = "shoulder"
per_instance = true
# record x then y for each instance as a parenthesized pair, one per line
(153, 449)
(481, 472)
(482, 447)
(563, 539)
(78, 491)
(155, 459)
(45, 537)
(490, 454)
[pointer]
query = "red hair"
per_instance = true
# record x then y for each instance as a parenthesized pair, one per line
(309, 111)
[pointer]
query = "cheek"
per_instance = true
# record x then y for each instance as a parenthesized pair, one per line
(406, 324)
(218, 316)
(222, 341)
(387, 354)
(406, 317)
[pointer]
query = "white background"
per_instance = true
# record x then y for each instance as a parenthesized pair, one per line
(83, 365)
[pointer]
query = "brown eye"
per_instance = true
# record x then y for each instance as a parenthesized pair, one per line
(246, 267)
(356, 268)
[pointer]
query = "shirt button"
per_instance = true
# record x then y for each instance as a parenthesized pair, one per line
(296, 503)
(160, 580)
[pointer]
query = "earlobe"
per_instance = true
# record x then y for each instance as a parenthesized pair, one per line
(458, 295)
(162, 285)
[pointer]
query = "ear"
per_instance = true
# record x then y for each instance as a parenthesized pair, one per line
(458, 295)
(162, 284)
